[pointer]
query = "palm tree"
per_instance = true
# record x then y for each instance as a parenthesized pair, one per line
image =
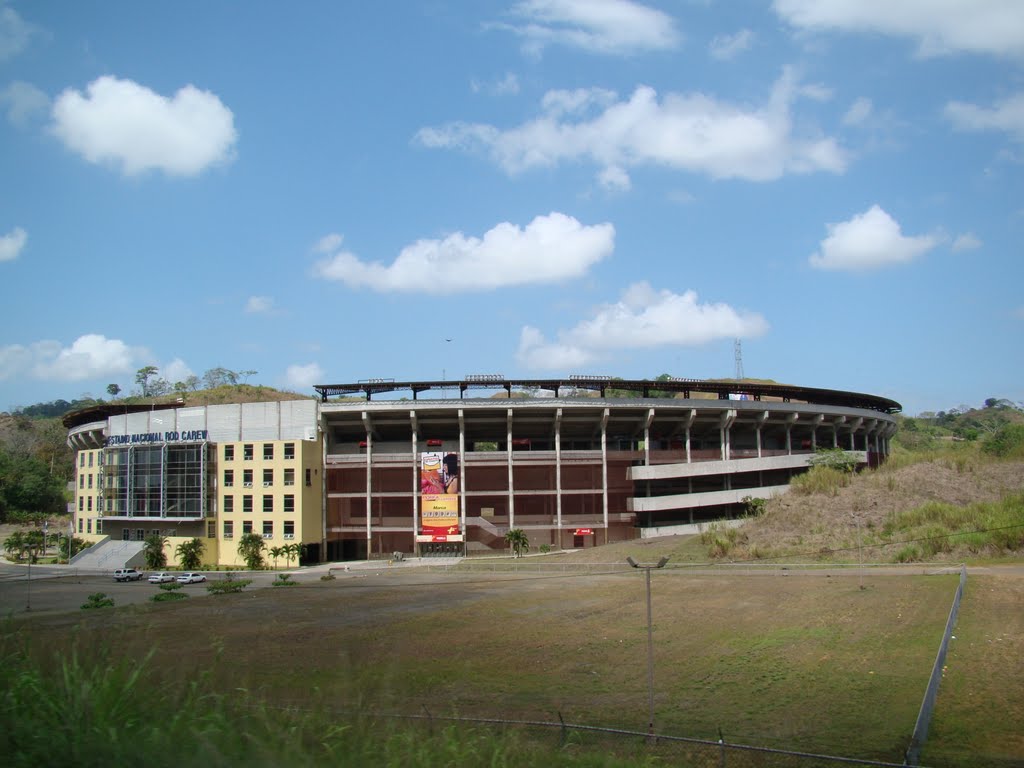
(295, 550)
(276, 552)
(154, 548)
(190, 553)
(14, 545)
(250, 548)
(518, 540)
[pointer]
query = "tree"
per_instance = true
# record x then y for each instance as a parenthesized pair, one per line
(296, 550)
(219, 377)
(192, 382)
(190, 553)
(250, 549)
(27, 488)
(142, 377)
(14, 545)
(113, 390)
(154, 549)
(519, 541)
(246, 375)
(277, 552)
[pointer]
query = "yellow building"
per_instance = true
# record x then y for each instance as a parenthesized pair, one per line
(208, 472)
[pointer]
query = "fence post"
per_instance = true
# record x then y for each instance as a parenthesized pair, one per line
(721, 749)
(562, 738)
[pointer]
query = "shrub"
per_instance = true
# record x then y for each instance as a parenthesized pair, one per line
(168, 597)
(227, 586)
(753, 507)
(834, 458)
(328, 577)
(284, 580)
(821, 479)
(909, 554)
(1006, 442)
(98, 600)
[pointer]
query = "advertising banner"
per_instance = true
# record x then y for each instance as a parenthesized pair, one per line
(439, 497)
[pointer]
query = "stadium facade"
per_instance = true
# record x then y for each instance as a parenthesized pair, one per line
(573, 463)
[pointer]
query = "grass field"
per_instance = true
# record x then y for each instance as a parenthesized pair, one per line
(788, 660)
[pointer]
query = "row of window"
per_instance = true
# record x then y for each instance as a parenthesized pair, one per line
(268, 451)
(268, 528)
(268, 477)
(268, 503)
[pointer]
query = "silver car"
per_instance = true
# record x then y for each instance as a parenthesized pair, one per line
(161, 578)
(190, 578)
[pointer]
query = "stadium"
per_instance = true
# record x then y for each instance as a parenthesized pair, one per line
(424, 468)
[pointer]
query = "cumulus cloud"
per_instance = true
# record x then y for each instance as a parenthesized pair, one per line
(966, 242)
(12, 243)
(549, 249)
(643, 318)
(175, 371)
(135, 129)
(303, 376)
(15, 33)
(687, 132)
(858, 112)
(89, 356)
(259, 305)
(23, 101)
(614, 178)
(1006, 115)
(598, 26)
(867, 241)
(727, 47)
(509, 84)
(994, 27)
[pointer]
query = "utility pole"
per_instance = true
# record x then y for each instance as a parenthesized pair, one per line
(650, 640)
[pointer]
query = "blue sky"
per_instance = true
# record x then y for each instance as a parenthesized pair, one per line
(324, 192)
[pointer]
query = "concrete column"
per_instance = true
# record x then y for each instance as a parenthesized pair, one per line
(604, 470)
(725, 433)
(558, 475)
(462, 477)
(369, 485)
(511, 496)
(689, 422)
(760, 423)
(647, 437)
(790, 421)
(415, 480)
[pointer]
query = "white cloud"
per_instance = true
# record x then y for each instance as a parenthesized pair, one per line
(259, 304)
(966, 242)
(12, 243)
(643, 318)
(15, 33)
(303, 376)
(128, 125)
(90, 356)
(858, 112)
(175, 371)
(688, 132)
(549, 249)
(598, 26)
(328, 243)
(940, 27)
(1006, 115)
(614, 178)
(867, 241)
(727, 47)
(23, 101)
(506, 85)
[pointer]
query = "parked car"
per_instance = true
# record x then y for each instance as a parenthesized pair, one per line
(161, 578)
(127, 574)
(190, 578)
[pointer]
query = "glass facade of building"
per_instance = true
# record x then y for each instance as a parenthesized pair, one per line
(162, 481)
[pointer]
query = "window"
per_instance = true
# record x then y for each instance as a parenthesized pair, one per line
(229, 453)
(229, 478)
(289, 477)
(247, 503)
(268, 502)
(81, 503)
(247, 452)
(309, 477)
(211, 529)
(289, 450)
(246, 526)
(268, 529)
(229, 529)
(88, 525)
(89, 505)
(90, 482)
(289, 503)
(99, 526)
(80, 525)
(247, 478)
(90, 459)
(140, 534)
(289, 529)
(81, 481)
(268, 451)
(268, 478)
(81, 459)
(229, 504)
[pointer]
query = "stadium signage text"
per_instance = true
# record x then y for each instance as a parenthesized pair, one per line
(191, 436)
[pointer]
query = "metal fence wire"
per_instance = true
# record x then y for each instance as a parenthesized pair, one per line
(677, 751)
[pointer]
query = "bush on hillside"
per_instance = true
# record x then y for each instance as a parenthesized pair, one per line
(1006, 442)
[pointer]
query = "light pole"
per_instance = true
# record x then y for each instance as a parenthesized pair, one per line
(650, 640)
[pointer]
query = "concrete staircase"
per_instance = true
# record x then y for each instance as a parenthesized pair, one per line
(109, 554)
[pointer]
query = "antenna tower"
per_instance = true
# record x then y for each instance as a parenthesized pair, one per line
(738, 349)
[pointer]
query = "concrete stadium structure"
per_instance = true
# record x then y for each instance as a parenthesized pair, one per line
(572, 462)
